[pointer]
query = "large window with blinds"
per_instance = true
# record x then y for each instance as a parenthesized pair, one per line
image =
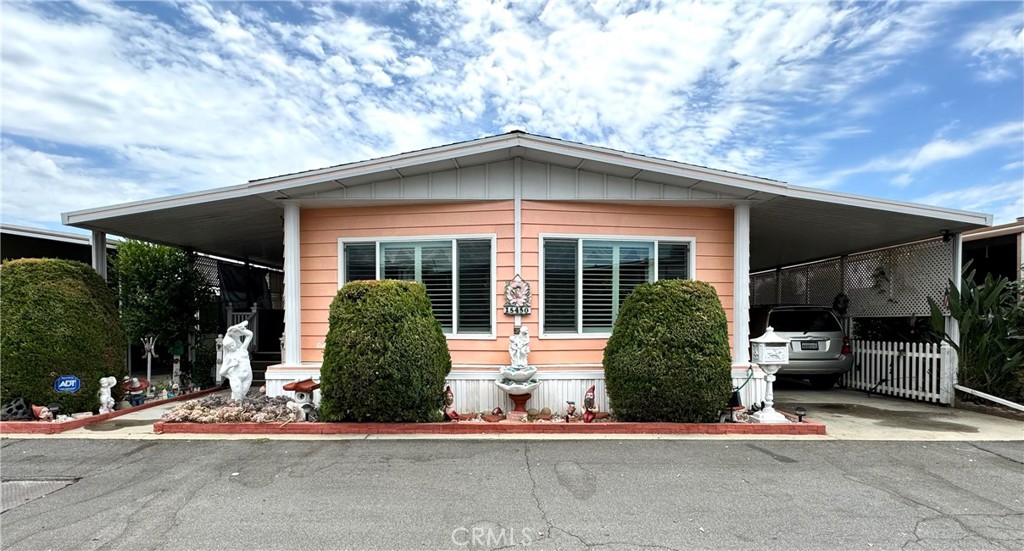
(587, 280)
(457, 273)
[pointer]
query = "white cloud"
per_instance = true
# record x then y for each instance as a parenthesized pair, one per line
(997, 46)
(1005, 200)
(221, 93)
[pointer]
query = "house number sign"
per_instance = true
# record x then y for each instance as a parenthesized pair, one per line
(517, 297)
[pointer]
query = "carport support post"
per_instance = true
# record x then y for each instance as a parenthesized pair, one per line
(98, 242)
(741, 286)
(292, 296)
(951, 367)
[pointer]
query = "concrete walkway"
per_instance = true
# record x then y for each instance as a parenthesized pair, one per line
(857, 415)
(847, 414)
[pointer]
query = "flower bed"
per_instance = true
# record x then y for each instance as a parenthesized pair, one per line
(507, 427)
(54, 427)
(256, 408)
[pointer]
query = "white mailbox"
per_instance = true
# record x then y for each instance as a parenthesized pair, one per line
(770, 349)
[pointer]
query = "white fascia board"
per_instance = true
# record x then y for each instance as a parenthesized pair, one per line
(995, 231)
(147, 205)
(899, 207)
(525, 141)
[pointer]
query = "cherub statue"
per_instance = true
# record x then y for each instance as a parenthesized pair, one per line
(236, 367)
(106, 400)
(519, 347)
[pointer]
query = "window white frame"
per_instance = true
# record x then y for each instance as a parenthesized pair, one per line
(454, 334)
(580, 238)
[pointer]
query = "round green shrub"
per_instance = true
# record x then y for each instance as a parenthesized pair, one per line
(385, 357)
(58, 318)
(668, 356)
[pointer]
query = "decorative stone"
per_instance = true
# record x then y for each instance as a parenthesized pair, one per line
(532, 412)
(16, 410)
(236, 367)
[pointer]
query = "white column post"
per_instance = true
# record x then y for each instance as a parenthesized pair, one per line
(517, 206)
(741, 286)
(98, 241)
(292, 281)
(951, 370)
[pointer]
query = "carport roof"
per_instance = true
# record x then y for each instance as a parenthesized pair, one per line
(789, 224)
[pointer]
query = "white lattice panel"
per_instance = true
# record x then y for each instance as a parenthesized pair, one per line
(887, 283)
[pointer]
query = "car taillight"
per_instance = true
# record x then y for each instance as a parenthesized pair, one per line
(847, 349)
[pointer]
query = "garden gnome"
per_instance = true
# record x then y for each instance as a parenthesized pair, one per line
(449, 405)
(106, 400)
(570, 410)
(236, 367)
(136, 388)
(42, 413)
(589, 405)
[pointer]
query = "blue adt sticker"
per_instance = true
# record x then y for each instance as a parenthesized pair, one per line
(67, 383)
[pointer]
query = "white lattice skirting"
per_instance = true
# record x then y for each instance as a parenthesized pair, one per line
(475, 390)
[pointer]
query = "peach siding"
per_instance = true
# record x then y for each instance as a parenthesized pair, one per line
(321, 228)
(711, 228)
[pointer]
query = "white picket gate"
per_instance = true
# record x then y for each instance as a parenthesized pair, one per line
(905, 370)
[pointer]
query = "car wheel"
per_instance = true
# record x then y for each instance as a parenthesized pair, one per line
(823, 382)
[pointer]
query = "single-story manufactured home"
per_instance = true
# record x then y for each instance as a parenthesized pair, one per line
(582, 225)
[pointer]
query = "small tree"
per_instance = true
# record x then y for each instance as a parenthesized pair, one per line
(58, 318)
(385, 358)
(990, 351)
(668, 356)
(161, 289)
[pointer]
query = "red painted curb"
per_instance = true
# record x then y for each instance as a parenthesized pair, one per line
(807, 427)
(45, 427)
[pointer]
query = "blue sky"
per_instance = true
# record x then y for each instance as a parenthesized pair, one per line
(104, 103)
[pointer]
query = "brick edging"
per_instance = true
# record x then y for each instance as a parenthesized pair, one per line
(53, 427)
(805, 428)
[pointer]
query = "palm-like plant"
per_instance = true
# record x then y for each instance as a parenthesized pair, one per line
(991, 344)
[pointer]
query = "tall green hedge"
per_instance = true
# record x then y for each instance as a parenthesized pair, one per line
(385, 358)
(58, 317)
(668, 356)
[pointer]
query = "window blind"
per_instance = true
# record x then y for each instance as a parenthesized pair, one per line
(560, 286)
(474, 288)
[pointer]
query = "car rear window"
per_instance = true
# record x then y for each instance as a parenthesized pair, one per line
(803, 321)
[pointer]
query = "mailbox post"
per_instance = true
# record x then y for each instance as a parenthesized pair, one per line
(770, 352)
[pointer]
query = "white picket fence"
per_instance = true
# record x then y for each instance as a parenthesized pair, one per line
(905, 370)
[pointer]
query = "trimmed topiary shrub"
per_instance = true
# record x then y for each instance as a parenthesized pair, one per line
(385, 358)
(668, 356)
(58, 318)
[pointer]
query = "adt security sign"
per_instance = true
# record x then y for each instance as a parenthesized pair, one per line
(67, 383)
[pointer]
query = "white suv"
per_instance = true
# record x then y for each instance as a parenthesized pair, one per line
(819, 350)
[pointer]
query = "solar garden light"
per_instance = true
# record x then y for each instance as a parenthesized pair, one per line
(800, 413)
(770, 352)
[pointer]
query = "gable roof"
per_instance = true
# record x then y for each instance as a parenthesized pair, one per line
(244, 221)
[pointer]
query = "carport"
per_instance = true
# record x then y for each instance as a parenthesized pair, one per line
(803, 244)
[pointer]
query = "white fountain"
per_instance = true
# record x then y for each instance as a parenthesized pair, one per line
(517, 379)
